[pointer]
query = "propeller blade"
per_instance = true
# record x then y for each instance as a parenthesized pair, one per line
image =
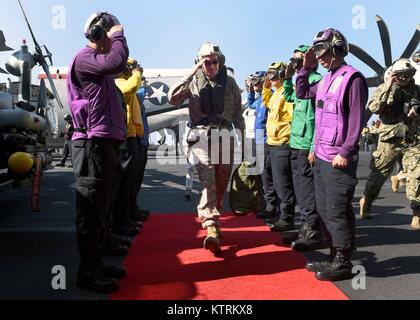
(366, 58)
(373, 82)
(386, 42)
(49, 55)
(412, 45)
(53, 88)
(3, 71)
(42, 97)
(3, 46)
(38, 48)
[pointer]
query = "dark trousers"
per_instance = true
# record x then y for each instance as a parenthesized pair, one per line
(66, 152)
(130, 160)
(334, 190)
(303, 182)
(283, 179)
(140, 174)
(270, 195)
(95, 163)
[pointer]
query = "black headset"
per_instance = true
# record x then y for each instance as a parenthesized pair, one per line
(339, 44)
(97, 32)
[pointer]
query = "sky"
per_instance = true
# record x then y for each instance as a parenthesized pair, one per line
(251, 34)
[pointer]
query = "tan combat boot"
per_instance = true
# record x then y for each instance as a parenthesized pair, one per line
(415, 223)
(212, 241)
(395, 183)
(365, 205)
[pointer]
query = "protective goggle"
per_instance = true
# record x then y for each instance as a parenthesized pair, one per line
(254, 81)
(272, 74)
(296, 62)
(320, 49)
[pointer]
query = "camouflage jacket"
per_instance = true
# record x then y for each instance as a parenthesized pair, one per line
(188, 89)
(389, 104)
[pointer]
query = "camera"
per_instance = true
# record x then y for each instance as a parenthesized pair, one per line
(414, 103)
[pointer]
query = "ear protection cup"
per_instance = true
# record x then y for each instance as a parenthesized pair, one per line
(282, 73)
(222, 59)
(339, 45)
(98, 25)
(97, 33)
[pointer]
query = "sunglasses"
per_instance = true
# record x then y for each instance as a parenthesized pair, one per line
(209, 63)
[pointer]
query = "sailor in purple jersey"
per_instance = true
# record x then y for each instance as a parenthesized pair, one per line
(341, 97)
(99, 130)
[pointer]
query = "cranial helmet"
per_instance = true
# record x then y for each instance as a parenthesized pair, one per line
(403, 66)
(257, 77)
(277, 70)
(98, 24)
(330, 39)
(131, 62)
(208, 49)
(302, 48)
(68, 117)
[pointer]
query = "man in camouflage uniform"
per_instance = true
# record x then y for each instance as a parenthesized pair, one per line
(399, 135)
(214, 108)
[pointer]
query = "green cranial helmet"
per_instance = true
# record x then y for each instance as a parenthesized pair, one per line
(302, 48)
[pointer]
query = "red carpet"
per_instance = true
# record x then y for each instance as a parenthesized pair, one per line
(167, 262)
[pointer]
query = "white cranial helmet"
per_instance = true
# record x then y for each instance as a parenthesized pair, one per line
(208, 49)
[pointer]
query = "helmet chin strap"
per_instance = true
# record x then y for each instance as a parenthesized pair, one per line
(331, 63)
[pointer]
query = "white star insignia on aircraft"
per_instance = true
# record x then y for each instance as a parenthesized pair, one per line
(158, 93)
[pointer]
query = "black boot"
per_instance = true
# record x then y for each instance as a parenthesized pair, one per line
(315, 266)
(115, 272)
(282, 225)
(310, 239)
(126, 230)
(96, 281)
(289, 239)
(115, 250)
(267, 214)
(125, 242)
(137, 216)
(340, 269)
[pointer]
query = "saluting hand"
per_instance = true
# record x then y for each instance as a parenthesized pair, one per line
(198, 66)
(290, 71)
(116, 28)
(267, 83)
(309, 61)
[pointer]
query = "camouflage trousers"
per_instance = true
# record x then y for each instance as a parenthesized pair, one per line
(382, 165)
(213, 161)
